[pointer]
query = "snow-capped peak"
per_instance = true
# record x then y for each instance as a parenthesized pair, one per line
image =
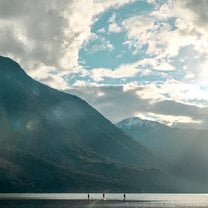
(136, 122)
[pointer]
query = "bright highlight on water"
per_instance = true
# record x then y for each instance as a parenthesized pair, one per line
(110, 199)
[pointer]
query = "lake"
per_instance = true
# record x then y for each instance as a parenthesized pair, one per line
(77, 200)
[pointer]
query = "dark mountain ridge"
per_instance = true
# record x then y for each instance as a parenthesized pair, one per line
(55, 142)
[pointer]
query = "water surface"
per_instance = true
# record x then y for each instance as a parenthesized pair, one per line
(77, 200)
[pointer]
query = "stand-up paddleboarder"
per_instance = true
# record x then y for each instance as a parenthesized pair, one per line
(103, 196)
(88, 197)
(124, 197)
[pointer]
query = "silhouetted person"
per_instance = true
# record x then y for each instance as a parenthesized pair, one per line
(103, 196)
(88, 197)
(124, 197)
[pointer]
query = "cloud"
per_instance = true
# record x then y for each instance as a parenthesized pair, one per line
(113, 26)
(169, 120)
(114, 104)
(198, 11)
(97, 43)
(49, 76)
(38, 27)
(168, 29)
(123, 71)
(170, 42)
(159, 63)
(48, 32)
(156, 36)
(117, 103)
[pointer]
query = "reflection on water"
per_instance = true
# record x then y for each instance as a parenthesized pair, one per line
(112, 200)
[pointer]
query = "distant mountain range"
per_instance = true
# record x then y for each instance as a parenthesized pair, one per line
(185, 150)
(51, 141)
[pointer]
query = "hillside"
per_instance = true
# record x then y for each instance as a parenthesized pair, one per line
(185, 150)
(55, 142)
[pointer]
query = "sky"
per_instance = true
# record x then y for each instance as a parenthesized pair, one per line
(126, 58)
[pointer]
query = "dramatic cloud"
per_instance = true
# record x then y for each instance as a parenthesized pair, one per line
(125, 57)
(37, 27)
(48, 32)
(118, 103)
(198, 10)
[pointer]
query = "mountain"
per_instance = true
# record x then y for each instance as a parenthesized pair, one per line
(185, 150)
(136, 123)
(153, 135)
(51, 141)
